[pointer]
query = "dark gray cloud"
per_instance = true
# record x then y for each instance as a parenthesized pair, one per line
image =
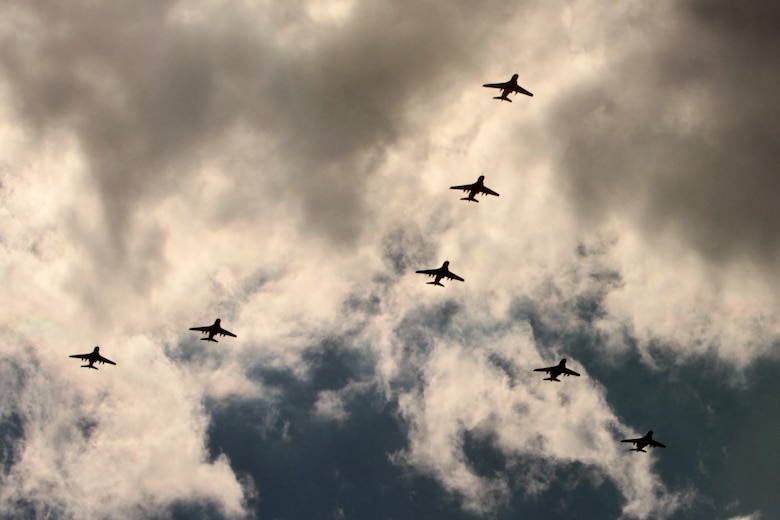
(149, 93)
(11, 431)
(678, 132)
(12, 419)
(406, 248)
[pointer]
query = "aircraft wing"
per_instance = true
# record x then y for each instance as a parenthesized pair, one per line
(633, 441)
(464, 187)
(453, 276)
(104, 360)
(226, 332)
(429, 272)
(570, 372)
(521, 90)
(81, 356)
(488, 191)
(548, 369)
(201, 329)
(496, 85)
(656, 444)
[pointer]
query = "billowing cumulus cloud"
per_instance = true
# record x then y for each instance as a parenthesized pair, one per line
(74, 451)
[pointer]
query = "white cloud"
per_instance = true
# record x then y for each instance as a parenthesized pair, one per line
(463, 391)
(94, 442)
(752, 516)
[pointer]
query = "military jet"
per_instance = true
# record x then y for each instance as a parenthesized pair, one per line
(557, 370)
(647, 440)
(441, 272)
(510, 86)
(213, 330)
(93, 357)
(473, 189)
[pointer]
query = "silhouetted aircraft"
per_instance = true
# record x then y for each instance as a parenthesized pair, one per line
(441, 272)
(510, 86)
(557, 370)
(473, 189)
(647, 440)
(213, 330)
(93, 357)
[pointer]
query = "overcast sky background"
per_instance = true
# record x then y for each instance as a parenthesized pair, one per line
(285, 166)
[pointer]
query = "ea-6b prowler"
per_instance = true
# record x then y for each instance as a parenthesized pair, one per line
(441, 272)
(213, 330)
(641, 442)
(509, 87)
(474, 189)
(93, 357)
(557, 370)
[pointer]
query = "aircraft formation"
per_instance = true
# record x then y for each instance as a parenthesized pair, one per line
(443, 272)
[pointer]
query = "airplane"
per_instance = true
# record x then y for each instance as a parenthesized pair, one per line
(93, 357)
(473, 189)
(510, 86)
(557, 370)
(441, 272)
(213, 330)
(647, 440)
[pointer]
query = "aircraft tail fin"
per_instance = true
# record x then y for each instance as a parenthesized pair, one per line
(503, 98)
(551, 379)
(470, 199)
(435, 283)
(209, 339)
(89, 366)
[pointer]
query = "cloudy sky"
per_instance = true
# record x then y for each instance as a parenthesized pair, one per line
(285, 166)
